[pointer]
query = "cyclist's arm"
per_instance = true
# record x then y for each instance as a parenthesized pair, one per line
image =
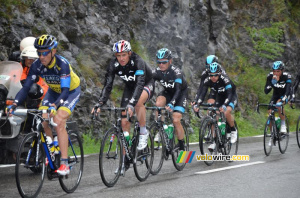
(295, 85)
(200, 89)
(288, 88)
(108, 84)
(229, 92)
(204, 90)
(268, 86)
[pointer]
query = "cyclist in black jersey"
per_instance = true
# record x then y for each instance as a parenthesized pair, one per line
(62, 95)
(223, 91)
(295, 87)
(139, 86)
(175, 90)
(209, 59)
(280, 82)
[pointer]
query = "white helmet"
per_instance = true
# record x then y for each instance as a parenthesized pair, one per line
(27, 41)
(29, 52)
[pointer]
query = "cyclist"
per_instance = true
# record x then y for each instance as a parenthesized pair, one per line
(209, 59)
(295, 87)
(223, 91)
(174, 95)
(281, 83)
(139, 86)
(63, 93)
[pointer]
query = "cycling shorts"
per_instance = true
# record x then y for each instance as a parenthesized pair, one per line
(221, 99)
(68, 105)
(180, 103)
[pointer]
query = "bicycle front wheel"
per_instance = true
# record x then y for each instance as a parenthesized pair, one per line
(206, 139)
(70, 182)
(110, 158)
(177, 155)
(30, 166)
(143, 159)
(298, 132)
(268, 137)
(159, 148)
(283, 138)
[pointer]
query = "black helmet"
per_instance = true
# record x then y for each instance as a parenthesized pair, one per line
(164, 53)
(45, 42)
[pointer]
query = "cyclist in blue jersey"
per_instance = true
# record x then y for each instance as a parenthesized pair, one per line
(280, 82)
(139, 86)
(63, 93)
(174, 95)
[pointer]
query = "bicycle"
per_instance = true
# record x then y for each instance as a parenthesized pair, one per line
(166, 145)
(272, 132)
(116, 154)
(210, 132)
(298, 125)
(33, 151)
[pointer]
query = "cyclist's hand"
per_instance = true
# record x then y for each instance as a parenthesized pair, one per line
(170, 107)
(195, 108)
(97, 108)
(223, 108)
(279, 104)
(130, 110)
(11, 108)
(52, 110)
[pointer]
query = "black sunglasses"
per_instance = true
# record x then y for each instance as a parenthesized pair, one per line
(162, 62)
(213, 74)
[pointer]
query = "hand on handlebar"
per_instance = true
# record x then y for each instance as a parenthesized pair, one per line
(11, 108)
(52, 110)
(130, 110)
(169, 107)
(223, 108)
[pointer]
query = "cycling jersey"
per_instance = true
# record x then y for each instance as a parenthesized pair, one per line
(224, 90)
(135, 74)
(204, 75)
(295, 85)
(281, 88)
(173, 82)
(59, 76)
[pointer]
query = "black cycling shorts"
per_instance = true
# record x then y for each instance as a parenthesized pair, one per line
(181, 102)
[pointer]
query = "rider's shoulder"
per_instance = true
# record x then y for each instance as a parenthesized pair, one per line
(61, 61)
(288, 75)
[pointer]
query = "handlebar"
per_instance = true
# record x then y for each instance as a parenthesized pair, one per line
(24, 112)
(270, 105)
(115, 109)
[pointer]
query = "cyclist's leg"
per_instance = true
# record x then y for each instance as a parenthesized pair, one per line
(282, 118)
(230, 119)
(127, 94)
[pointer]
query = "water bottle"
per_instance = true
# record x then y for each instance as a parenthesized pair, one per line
(127, 137)
(170, 131)
(222, 126)
(277, 122)
(55, 144)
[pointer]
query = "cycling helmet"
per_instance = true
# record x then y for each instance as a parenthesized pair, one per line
(278, 65)
(211, 59)
(214, 68)
(45, 41)
(164, 53)
(121, 46)
(29, 52)
(28, 41)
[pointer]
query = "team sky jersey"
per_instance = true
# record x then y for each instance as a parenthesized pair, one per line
(224, 88)
(59, 76)
(172, 80)
(135, 75)
(204, 75)
(295, 85)
(281, 88)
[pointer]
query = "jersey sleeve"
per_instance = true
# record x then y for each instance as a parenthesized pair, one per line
(295, 85)
(108, 83)
(204, 75)
(229, 91)
(178, 85)
(268, 86)
(205, 86)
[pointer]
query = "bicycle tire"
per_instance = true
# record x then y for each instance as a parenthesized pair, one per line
(159, 149)
(179, 164)
(268, 136)
(143, 159)
(110, 162)
(70, 182)
(206, 138)
(228, 145)
(30, 177)
(283, 139)
(298, 131)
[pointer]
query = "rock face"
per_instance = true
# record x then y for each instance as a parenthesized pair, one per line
(192, 29)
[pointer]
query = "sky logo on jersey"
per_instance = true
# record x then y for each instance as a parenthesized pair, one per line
(129, 78)
(166, 85)
(279, 86)
(185, 157)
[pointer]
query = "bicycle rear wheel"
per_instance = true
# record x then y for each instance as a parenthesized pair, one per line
(283, 139)
(268, 138)
(206, 139)
(143, 159)
(298, 132)
(231, 148)
(159, 149)
(110, 158)
(30, 169)
(177, 155)
(70, 182)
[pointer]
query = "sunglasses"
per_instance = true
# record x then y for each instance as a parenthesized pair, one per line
(162, 62)
(213, 74)
(43, 53)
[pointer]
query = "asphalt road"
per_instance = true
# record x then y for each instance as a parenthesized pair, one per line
(277, 175)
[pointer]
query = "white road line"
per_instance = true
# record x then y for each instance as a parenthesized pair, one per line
(230, 167)
(7, 165)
